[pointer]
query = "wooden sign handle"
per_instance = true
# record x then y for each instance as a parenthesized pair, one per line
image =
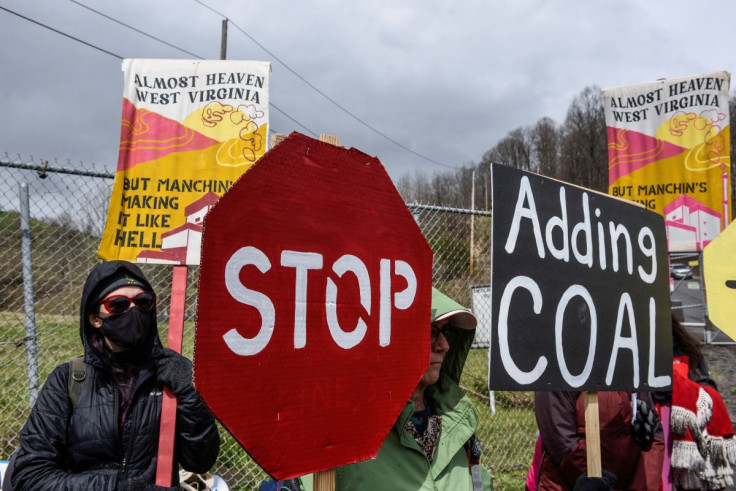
(324, 480)
(667, 466)
(592, 435)
(165, 463)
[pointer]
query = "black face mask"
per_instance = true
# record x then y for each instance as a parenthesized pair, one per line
(130, 329)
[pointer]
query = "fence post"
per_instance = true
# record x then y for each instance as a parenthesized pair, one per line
(28, 300)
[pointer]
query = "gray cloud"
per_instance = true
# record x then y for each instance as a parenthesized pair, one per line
(446, 79)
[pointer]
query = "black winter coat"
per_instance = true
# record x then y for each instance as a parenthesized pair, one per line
(82, 447)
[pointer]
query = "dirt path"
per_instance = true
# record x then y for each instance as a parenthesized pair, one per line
(722, 362)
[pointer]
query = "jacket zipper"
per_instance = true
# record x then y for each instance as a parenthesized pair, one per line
(116, 421)
(133, 398)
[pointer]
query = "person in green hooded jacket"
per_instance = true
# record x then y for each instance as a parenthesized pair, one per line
(432, 445)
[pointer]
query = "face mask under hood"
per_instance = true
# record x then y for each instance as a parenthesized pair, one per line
(98, 277)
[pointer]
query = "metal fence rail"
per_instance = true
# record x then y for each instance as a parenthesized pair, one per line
(66, 213)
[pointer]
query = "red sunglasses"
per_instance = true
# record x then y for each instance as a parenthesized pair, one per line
(117, 304)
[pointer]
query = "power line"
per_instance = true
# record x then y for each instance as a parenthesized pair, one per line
(346, 111)
(338, 105)
(136, 30)
(184, 51)
(62, 33)
(294, 120)
(145, 34)
(210, 8)
(284, 113)
(367, 125)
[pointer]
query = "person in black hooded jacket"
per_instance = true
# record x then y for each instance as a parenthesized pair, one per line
(109, 439)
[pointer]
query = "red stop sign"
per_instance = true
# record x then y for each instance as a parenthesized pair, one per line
(314, 307)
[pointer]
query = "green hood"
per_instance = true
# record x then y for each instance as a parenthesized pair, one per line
(460, 338)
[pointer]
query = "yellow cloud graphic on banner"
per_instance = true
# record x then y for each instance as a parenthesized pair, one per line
(243, 141)
(222, 121)
(246, 149)
(708, 144)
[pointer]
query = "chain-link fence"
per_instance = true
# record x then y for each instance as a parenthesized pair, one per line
(46, 259)
(67, 209)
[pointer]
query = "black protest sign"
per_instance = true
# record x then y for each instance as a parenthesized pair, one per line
(579, 289)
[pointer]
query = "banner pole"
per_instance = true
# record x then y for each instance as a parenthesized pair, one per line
(592, 435)
(165, 463)
(667, 466)
(324, 480)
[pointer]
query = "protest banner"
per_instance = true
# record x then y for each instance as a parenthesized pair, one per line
(669, 149)
(189, 129)
(579, 294)
(314, 307)
(579, 289)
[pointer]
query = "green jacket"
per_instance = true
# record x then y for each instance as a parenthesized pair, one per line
(401, 464)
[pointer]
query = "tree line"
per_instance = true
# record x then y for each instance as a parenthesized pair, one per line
(575, 151)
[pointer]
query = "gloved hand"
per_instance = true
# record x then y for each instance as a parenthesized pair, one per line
(642, 431)
(585, 483)
(174, 370)
(661, 396)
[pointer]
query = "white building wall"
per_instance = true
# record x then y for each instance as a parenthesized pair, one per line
(194, 247)
(675, 215)
(708, 226)
(684, 237)
(198, 216)
(174, 241)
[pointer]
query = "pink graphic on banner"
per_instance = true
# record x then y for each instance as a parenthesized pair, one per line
(629, 151)
(145, 136)
(182, 244)
(690, 221)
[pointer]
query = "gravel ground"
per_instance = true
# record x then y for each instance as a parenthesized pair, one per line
(722, 362)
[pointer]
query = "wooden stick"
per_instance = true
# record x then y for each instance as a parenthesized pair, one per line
(335, 140)
(165, 463)
(324, 480)
(592, 435)
(666, 430)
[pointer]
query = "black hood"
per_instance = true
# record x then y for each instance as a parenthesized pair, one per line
(97, 276)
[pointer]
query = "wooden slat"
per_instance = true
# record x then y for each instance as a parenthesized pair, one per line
(165, 462)
(335, 140)
(592, 435)
(324, 480)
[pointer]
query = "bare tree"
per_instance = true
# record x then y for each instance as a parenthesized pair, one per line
(422, 186)
(406, 189)
(545, 139)
(445, 188)
(466, 181)
(514, 150)
(483, 183)
(584, 149)
(94, 212)
(576, 152)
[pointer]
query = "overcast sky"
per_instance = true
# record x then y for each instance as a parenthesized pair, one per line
(445, 79)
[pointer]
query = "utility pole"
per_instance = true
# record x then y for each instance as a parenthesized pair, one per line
(472, 218)
(223, 41)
